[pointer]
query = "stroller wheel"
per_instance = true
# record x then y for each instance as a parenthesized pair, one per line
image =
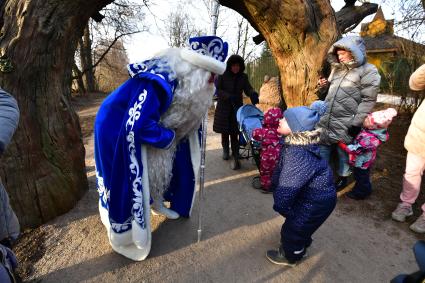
(256, 184)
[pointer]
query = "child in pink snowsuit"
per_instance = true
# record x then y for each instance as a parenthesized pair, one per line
(269, 139)
(362, 152)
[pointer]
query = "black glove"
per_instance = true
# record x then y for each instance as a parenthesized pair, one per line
(254, 98)
(354, 131)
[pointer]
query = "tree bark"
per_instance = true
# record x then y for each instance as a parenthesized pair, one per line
(43, 168)
(299, 34)
(347, 18)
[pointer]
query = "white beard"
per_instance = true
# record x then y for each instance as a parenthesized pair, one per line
(191, 101)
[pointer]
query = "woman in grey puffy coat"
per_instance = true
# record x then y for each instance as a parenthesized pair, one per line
(352, 89)
(9, 117)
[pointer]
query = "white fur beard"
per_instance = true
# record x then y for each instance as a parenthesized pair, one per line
(191, 101)
(160, 170)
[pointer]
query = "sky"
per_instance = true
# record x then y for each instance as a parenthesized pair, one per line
(145, 44)
(137, 46)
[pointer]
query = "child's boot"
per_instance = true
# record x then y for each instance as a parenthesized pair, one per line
(363, 187)
(278, 257)
(341, 183)
(419, 225)
(402, 211)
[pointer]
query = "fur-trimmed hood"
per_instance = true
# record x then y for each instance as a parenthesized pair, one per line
(303, 138)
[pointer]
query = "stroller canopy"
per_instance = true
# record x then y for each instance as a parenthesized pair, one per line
(249, 118)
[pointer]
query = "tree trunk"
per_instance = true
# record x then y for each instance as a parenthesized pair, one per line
(78, 76)
(299, 34)
(43, 168)
(87, 61)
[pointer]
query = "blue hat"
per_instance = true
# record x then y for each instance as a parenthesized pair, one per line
(207, 52)
(304, 118)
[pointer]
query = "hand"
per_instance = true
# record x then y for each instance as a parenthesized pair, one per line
(368, 123)
(354, 131)
(322, 82)
(254, 98)
(342, 145)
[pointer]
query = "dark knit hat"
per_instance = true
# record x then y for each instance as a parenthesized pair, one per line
(304, 118)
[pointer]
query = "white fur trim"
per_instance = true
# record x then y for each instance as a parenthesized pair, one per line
(135, 243)
(171, 142)
(195, 156)
(203, 61)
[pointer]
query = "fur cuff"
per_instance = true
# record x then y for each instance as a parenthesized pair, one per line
(203, 61)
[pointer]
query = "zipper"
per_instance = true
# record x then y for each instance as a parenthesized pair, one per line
(336, 92)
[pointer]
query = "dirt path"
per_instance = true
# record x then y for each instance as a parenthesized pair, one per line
(358, 243)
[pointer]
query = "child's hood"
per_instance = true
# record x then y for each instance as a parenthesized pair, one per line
(306, 139)
(381, 134)
(272, 117)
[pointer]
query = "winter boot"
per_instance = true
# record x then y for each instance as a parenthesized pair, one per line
(402, 211)
(225, 145)
(235, 165)
(235, 160)
(419, 225)
(158, 207)
(278, 257)
(341, 183)
(256, 183)
(226, 153)
(363, 187)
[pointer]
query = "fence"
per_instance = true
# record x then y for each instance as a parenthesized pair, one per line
(258, 68)
(395, 77)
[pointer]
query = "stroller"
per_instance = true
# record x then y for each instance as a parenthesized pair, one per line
(249, 118)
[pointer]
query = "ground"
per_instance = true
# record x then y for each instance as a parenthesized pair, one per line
(358, 243)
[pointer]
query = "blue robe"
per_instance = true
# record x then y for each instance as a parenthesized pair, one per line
(129, 119)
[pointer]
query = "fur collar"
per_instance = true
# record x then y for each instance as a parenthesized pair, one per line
(303, 138)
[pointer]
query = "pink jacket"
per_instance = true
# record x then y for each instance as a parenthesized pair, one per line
(362, 152)
(268, 135)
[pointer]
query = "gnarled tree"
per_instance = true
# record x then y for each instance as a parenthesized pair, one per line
(299, 34)
(44, 168)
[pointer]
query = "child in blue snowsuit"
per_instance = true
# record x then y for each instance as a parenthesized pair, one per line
(304, 191)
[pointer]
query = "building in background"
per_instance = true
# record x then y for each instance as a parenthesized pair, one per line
(394, 56)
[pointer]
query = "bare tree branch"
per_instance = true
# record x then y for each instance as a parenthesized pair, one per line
(350, 16)
(347, 18)
(105, 52)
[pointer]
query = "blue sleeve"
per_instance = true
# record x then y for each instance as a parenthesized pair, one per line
(296, 172)
(152, 131)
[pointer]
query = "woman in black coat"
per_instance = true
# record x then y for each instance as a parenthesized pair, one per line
(230, 86)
